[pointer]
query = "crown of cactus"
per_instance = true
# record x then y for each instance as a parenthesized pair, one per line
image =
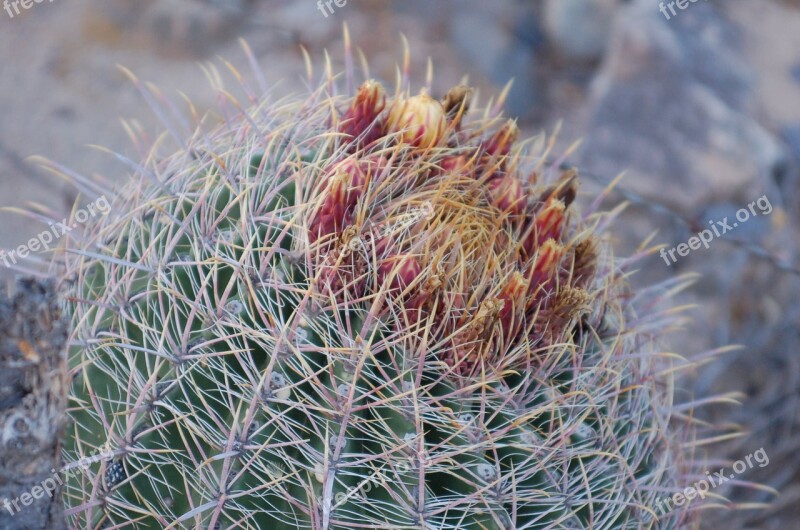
(361, 311)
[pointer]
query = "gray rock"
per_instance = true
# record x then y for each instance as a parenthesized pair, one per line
(500, 43)
(195, 26)
(580, 29)
(791, 135)
(660, 109)
(796, 73)
(33, 398)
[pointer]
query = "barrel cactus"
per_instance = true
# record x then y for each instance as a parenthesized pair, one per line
(354, 310)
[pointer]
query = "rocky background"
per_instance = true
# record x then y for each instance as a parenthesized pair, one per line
(33, 387)
(701, 111)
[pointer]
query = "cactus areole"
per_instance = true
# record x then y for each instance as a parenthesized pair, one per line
(350, 311)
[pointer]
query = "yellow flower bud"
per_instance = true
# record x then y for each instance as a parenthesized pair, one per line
(419, 121)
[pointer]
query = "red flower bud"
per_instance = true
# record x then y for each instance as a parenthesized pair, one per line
(343, 188)
(506, 194)
(547, 224)
(453, 164)
(550, 221)
(360, 122)
(501, 142)
(513, 295)
(401, 271)
(544, 267)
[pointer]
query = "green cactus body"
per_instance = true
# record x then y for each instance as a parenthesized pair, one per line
(359, 312)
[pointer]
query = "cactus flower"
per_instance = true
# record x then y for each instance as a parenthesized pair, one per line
(419, 120)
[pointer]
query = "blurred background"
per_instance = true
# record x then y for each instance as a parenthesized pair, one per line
(700, 108)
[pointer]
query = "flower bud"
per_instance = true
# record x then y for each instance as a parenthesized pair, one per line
(400, 270)
(418, 121)
(547, 224)
(343, 188)
(454, 164)
(565, 189)
(513, 296)
(360, 122)
(544, 267)
(501, 142)
(506, 194)
(550, 221)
